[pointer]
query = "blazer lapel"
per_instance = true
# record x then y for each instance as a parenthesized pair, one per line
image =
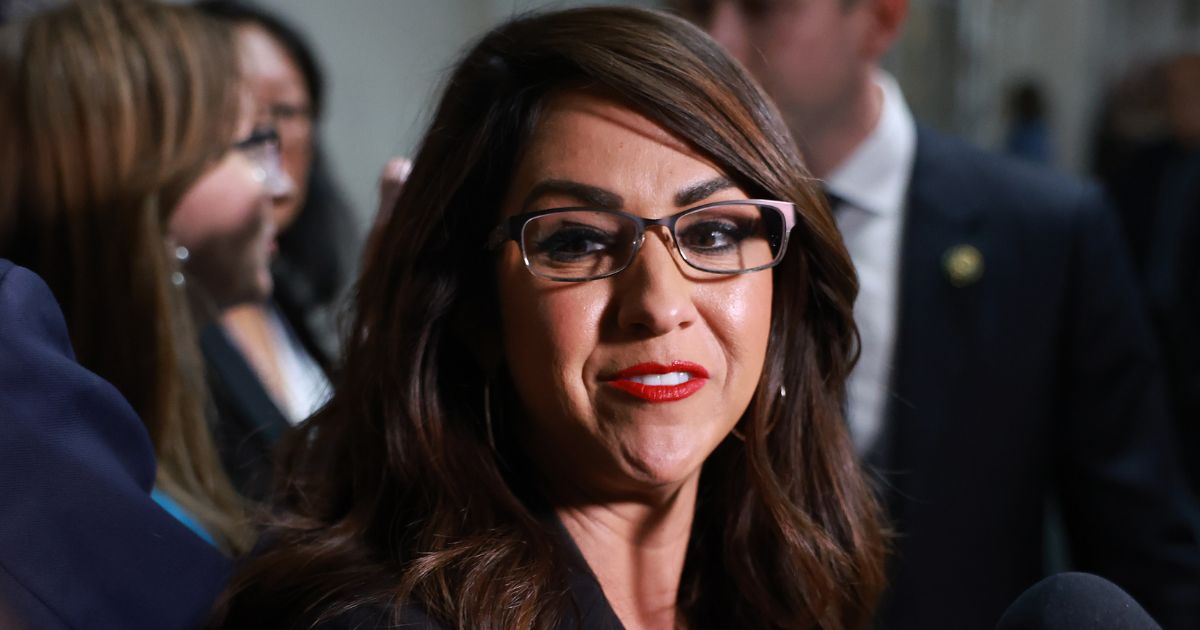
(243, 384)
(943, 272)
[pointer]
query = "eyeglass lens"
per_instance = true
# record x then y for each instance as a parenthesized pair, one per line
(262, 147)
(584, 244)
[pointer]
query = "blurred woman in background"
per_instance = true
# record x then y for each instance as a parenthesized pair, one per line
(591, 382)
(269, 362)
(136, 184)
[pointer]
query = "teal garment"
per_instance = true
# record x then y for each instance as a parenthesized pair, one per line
(181, 515)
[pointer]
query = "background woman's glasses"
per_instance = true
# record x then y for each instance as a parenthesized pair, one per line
(262, 147)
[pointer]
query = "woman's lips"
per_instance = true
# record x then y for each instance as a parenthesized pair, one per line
(655, 382)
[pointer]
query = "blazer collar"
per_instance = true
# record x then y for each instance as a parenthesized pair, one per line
(942, 182)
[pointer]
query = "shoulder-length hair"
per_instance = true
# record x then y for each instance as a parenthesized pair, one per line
(394, 493)
(110, 110)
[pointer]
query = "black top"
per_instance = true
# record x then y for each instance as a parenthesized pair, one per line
(594, 611)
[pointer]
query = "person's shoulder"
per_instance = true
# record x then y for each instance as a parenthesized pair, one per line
(28, 311)
(996, 182)
(18, 282)
(84, 460)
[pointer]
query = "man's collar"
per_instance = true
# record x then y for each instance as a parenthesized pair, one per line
(875, 177)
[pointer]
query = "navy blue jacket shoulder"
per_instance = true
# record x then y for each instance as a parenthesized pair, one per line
(82, 545)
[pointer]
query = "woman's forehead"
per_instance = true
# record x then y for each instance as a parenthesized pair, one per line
(603, 115)
(599, 138)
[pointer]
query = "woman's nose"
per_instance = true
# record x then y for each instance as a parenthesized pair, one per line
(655, 297)
(279, 185)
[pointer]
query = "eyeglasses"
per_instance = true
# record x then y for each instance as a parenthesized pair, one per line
(581, 244)
(262, 147)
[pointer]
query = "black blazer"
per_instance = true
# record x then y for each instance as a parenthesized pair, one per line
(591, 607)
(248, 424)
(594, 613)
(82, 544)
(1037, 380)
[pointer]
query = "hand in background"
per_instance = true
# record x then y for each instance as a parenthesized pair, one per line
(391, 181)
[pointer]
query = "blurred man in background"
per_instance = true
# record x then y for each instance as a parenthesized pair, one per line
(1173, 263)
(1148, 154)
(1007, 361)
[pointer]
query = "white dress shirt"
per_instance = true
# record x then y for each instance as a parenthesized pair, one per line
(873, 186)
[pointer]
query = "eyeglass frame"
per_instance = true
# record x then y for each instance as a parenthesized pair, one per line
(512, 229)
(269, 163)
(259, 136)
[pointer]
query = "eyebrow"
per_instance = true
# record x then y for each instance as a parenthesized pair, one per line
(589, 195)
(698, 192)
(600, 198)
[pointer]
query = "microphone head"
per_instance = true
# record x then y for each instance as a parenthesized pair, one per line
(1079, 601)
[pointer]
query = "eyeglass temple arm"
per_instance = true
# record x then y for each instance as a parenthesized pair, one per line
(791, 214)
(498, 236)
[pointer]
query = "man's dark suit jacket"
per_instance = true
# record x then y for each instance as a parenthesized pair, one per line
(1038, 380)
(82, 544)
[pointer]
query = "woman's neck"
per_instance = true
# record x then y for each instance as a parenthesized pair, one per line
(203, 310)
(637, 551)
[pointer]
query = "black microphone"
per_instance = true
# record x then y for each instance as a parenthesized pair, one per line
(1078, 601)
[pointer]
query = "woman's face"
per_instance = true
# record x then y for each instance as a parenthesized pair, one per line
(283, 100)
(225, 222)
(585, 357)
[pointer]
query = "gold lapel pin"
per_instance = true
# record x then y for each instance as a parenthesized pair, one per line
(963, 265)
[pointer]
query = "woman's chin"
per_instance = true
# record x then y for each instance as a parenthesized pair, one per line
(665, 458)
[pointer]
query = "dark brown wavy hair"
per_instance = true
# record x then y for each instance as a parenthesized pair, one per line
(392, 493)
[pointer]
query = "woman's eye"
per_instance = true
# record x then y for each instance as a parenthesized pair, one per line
(712, 236)
(573, 243)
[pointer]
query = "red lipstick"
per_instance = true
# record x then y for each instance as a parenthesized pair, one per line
(655, 382)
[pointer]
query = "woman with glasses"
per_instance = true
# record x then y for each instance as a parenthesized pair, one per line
(135, 183)
(596, 374)
(268, 362)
